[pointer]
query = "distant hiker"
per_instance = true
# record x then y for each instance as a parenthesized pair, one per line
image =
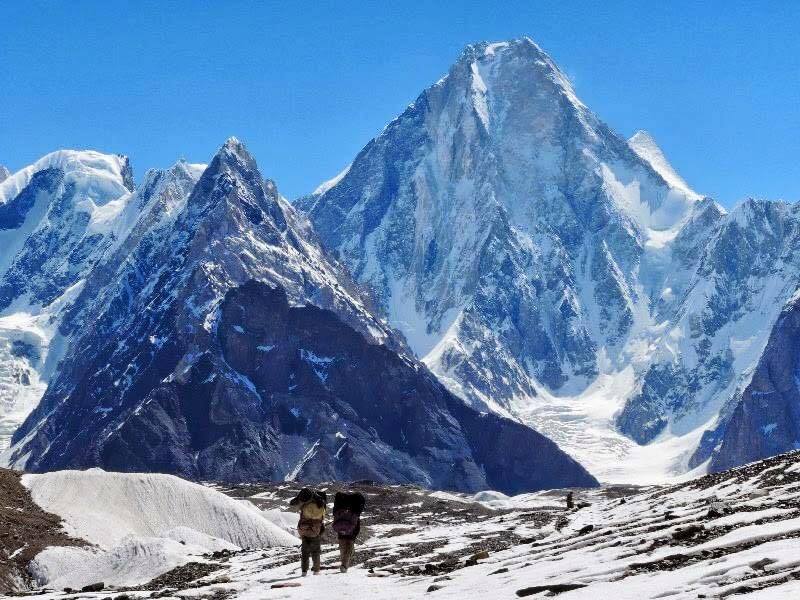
(570, 501)
(311, 504)
(347, 509)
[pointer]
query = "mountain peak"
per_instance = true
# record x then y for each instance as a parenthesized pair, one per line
(645, 146)
(183, 166)
(233, 150)
(232, 142)
(519, 46)
(4, 173)
(110, 172)
(514, 72)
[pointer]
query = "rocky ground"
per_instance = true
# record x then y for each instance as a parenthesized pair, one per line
(25, 530)
(735, 534)
(410, 531)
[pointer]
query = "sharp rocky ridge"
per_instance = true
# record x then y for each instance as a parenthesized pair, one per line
(548, 269)
(216, 340)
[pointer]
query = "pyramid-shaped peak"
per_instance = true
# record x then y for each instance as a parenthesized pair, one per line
(234, 150)
(494, 65)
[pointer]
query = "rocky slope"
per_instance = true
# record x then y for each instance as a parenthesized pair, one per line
(27, 530)
(546, 268)
(201, 355)
(765, 418)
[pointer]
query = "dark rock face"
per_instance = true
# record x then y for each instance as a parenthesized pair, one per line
(766, 420)
(13, 213)
(293, 391)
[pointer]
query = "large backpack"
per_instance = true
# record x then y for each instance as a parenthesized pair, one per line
(312, 511)
(309, 528)
(347, 509)
(345, 521)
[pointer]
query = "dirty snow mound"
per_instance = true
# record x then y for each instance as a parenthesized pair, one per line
(104, 508)
(134, 561)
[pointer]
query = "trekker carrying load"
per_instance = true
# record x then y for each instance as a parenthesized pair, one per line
(311, 504)
(347, 509)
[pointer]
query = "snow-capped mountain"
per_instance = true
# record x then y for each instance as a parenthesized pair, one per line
(58, 218)
(4, 173)
(544, 267)
(217, 341)
(54, 224)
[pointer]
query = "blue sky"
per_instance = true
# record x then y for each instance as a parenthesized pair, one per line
(306, 85)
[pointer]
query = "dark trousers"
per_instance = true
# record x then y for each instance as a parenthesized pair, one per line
(310, 548)
(346, 549)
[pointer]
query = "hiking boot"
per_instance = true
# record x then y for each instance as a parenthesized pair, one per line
(305, 573)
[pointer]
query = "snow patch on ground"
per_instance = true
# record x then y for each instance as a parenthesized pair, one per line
(131, 562)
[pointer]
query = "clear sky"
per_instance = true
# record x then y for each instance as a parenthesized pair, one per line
(307, 85)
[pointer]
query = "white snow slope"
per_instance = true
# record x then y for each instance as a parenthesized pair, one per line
(103, 508)
(143, 525)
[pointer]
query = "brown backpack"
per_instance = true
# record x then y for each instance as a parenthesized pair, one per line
(309, 527)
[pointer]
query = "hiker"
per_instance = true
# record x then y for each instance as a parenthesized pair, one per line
(347, 509)
(570, 501)
(311, 504)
